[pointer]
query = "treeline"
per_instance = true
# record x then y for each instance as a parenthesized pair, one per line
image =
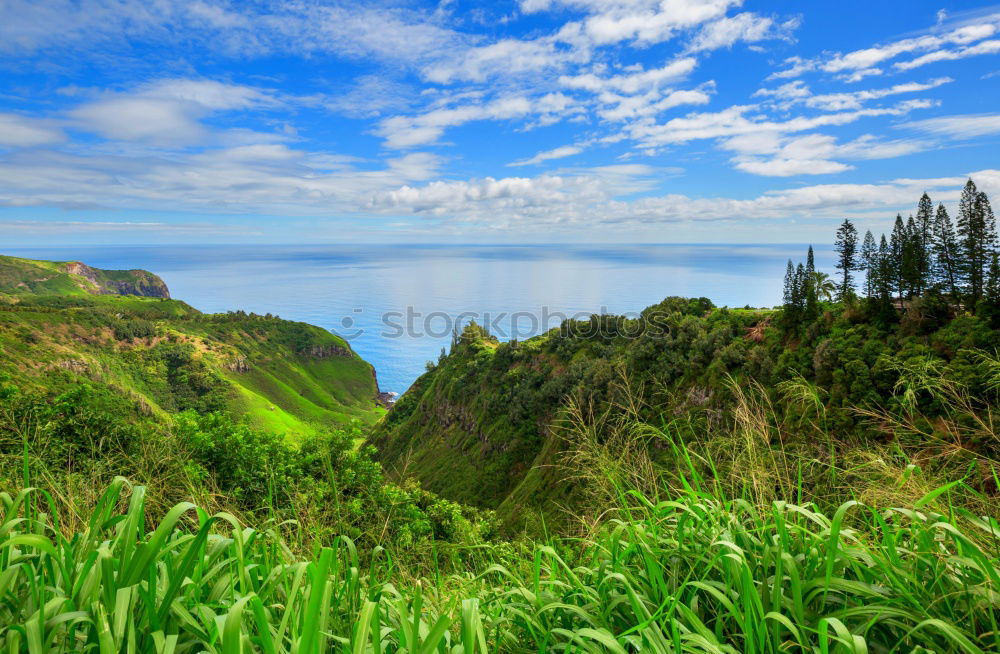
(928, 254)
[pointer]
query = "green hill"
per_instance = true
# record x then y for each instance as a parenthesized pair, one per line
(20, 276)
(499, 425)
(63, 323)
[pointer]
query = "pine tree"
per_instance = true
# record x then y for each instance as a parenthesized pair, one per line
(989, 306)
(846, 247)
(897, 245)
(966, 230)
(788, 295)
(883, 283)
(799, 287)
(809, 281)
(925, 232)
(946, 253)
(977, 233)
(909, 268)
(869, 256)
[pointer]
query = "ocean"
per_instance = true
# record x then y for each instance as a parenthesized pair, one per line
(398, 304)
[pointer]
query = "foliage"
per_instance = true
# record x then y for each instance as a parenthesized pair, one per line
(697, 573)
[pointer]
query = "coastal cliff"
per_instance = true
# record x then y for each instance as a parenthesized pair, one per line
(27, 276)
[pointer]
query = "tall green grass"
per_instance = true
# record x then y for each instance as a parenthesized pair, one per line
(696, 573)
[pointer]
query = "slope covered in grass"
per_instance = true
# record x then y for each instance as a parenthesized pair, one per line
(696, 573)
(19, 276)
(488, 423)
(279, 375)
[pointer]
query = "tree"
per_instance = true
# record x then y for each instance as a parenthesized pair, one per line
(788, 296)
(883, 284)
(986, 241)
(846, 247)
(925, 238)
(897, 246)
(946, 253)
(909, 267)
(825, 288)
(989, 306)
(809, 280)
(794, 294)
(869, 254)
(977, 238)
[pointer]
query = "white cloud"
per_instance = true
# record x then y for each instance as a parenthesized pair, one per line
(426, 128)
(307, 26)
(648, 22)
(964, 127)
(772, 154)
(984, 47)
(588, 198)
(263, 178)
(23, 132)
(747, 27)
(167, 112)
(796, 67)
(547, 155)
(632, 82)
(796, 92)
(734, 121)
(858, 64)
(870, 57)
(508, 57)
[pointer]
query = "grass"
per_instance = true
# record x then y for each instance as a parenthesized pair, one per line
(283, 388)
(696, 573)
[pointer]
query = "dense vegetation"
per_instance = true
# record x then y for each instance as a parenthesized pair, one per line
(493, 423)
(819, 477)
(281, 375)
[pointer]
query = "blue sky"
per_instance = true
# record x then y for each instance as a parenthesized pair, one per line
(152, 121)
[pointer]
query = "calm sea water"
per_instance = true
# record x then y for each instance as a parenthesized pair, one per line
(398, 304)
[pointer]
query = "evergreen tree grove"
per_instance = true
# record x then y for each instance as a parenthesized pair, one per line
(923, 255)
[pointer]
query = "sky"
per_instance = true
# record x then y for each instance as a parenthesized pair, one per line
(529, 121)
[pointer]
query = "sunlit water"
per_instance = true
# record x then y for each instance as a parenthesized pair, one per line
(365, 293)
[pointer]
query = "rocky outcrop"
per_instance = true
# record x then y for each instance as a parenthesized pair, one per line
(238, 365)
(325, 351)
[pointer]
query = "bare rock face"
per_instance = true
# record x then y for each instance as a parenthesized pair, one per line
(325, 351)
(239, 365)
